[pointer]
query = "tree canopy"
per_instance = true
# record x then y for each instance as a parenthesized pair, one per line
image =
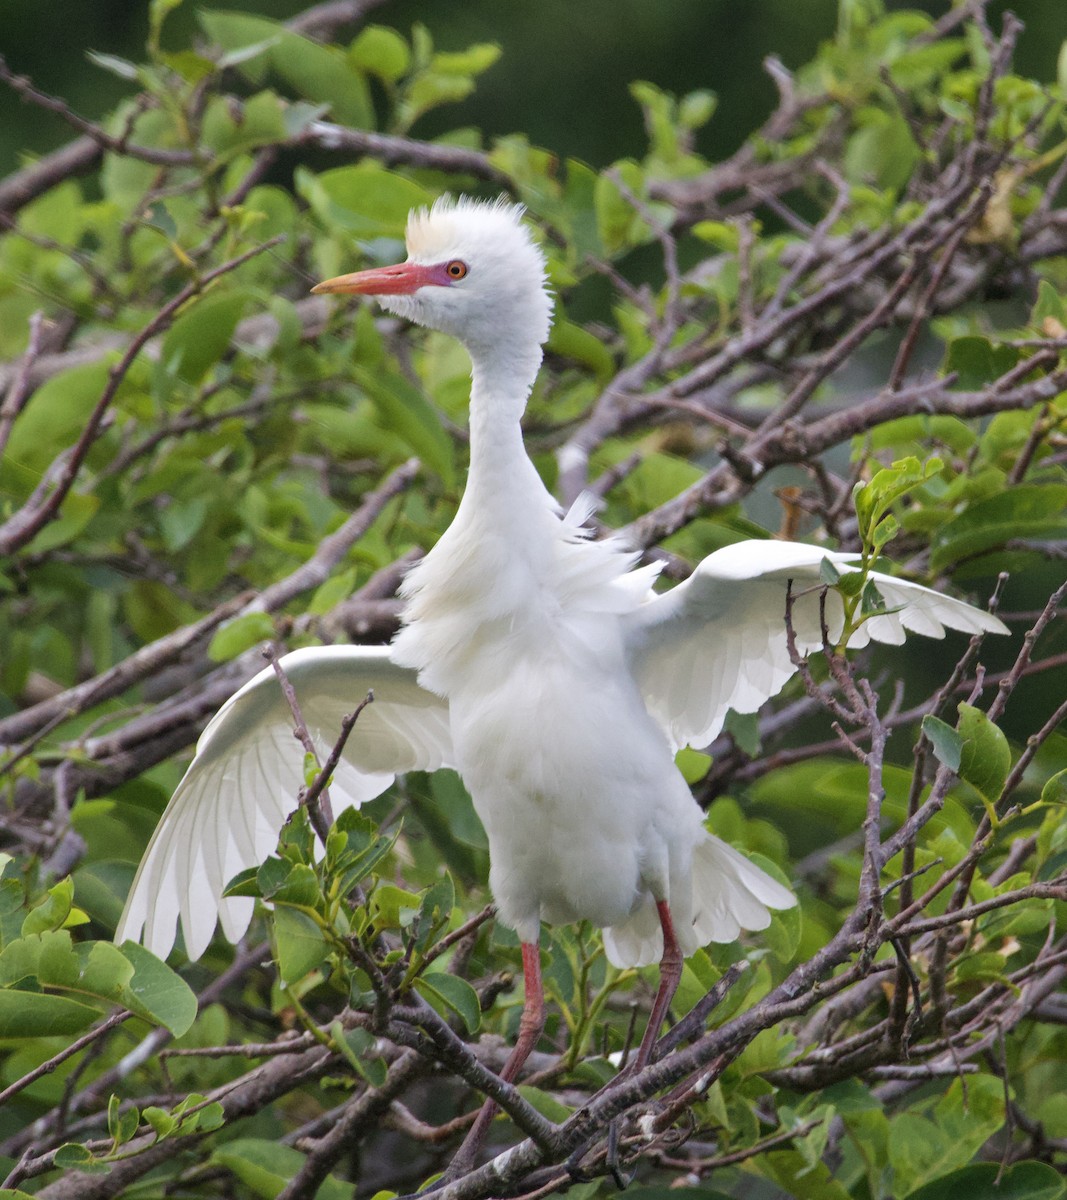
(852, 331)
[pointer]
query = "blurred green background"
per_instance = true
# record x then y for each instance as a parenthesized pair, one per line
(562, 79)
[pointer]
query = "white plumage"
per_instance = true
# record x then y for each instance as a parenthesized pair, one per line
(537, 662)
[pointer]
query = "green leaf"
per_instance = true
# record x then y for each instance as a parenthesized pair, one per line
(925, 1148)
(122, 1125)
(181, 520)
(158, 216)
(53, 418)
(545, 1103)
(666, 1192)
(767, 1050)
(429, 90)
(718, 234)
(783, 934)
(232, 128)
(75, 1157)
(886, 529)
(364, 848)
(445, 811)
(157, 992)
(297, 839)
(52, 912)
(449, 993)
(872, 600)
(381, 51)
(104, 970)
(406, 412)
(795, 1172)
(246, 57)
(162, 1123)
(188, 1121)
(572, 341)
(661, 122)
(695, 109)
(618, 224)
(211, 1116)
(1036, 511)
(874, 498)
(829, 572)
(985, 756)
(919, 67)
(38, 1014)
(472, 61)
(201, 335)
(301, 945)
(988, 968)
(244, 883)
(158, 11)
(852, 583)
(946, 742)
(240, 31)
(393, 907)
(744, 729)
(325, 75)
(272, 874)
(192, 67)
(299, 888)
(75, 513)
(48, 953)
(320, 73)
(365, 200)
(122, 67)
(265, 1167)
(1055, 789)
(882, 151)
(1021, 1181)
(1049, 302)
(434, 913)
(241, 634)
(356, 1046)
(978, 362)
(693, 764)
(331, 592)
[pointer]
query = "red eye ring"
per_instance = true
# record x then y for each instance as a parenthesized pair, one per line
(456, 269)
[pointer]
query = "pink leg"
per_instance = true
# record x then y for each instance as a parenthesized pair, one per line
(670, 972)
(530, 1027)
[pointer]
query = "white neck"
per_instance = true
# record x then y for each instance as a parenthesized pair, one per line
(502, 480)
(491, 563)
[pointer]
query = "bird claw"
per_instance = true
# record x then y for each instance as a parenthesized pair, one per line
(611, 1160)
(612, 1165)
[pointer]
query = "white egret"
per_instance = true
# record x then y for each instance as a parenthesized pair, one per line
(537, 662)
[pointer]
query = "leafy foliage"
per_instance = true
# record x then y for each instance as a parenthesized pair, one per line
(854, 331)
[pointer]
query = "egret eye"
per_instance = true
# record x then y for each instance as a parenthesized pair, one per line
(456, 269)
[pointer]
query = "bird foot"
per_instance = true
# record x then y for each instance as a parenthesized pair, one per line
(612, 1163)
(611, 1160)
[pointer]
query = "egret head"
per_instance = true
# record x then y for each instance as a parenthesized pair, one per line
(472, 271)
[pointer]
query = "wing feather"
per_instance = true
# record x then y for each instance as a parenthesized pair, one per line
(718, 641)
(227, 811)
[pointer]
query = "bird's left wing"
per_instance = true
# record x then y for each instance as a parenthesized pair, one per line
(229, 807)
(718, 641)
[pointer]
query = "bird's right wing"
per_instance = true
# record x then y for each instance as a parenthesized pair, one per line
(228, 809)
(718, 641)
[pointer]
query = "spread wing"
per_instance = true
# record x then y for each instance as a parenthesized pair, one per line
(229, 807)
(718, 640)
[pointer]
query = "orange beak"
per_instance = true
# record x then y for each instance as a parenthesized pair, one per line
(399, 280)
